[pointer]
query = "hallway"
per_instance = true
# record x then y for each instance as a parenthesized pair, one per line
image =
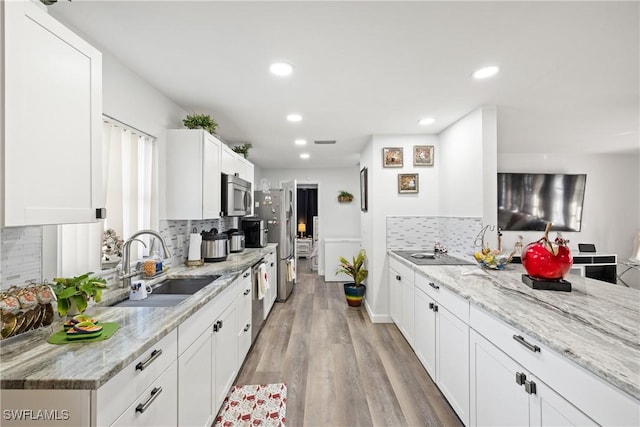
(340, 369)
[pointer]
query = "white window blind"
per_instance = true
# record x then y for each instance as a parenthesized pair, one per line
(130, 187)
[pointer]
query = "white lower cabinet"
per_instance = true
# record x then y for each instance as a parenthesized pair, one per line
(225, 350)
(195, 367)
(402, 298)
(243, 327)
(156, 407)
(504, 393)
(442, 345)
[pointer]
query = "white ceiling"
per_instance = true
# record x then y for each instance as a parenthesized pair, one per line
(569, 79)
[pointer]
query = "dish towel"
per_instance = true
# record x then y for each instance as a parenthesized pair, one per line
(263, 280)
(291, 270)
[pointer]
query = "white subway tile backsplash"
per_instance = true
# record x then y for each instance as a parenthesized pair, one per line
(20, 255)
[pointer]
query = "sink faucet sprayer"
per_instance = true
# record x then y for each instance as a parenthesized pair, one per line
(127, 274)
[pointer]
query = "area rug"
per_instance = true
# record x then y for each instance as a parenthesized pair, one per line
(254, 405)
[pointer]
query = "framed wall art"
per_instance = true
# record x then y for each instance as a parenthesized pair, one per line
(423, 155)
(408, 183)
(392, 157)
(363, 190)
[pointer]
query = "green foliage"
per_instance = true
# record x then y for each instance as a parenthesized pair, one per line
(200, 121)
(79, 289)
(243, 149)
(354, 269)
(345, 194)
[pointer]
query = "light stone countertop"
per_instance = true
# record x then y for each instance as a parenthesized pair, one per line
(596, 325)
(27, 361)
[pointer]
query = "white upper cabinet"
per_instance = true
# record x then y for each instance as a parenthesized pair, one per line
(51, 110)
(193, 174)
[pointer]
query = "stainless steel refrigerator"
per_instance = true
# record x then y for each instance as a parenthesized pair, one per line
(278, 208)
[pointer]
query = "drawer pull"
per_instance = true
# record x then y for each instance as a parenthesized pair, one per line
(272, 264)
(144, 406)
(217, 326)
(245, 275)
(398, 277)
(141, 366)
(433, 285)
(435, 307)
(246, 328)
(247, 292)
(520, 378)
(524, 342)
(530, 387)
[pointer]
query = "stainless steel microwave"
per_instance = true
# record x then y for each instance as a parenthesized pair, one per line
(236, 196)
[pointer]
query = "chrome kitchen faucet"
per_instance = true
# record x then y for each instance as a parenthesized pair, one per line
(127, 274)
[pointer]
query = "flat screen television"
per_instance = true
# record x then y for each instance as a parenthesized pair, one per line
(527, 201)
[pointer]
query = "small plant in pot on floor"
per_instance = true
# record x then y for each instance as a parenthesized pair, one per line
(354, 291)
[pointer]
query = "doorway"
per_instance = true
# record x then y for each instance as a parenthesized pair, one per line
(307, 209)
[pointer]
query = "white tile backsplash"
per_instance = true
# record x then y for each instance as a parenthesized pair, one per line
(20, 255)
(457, 234)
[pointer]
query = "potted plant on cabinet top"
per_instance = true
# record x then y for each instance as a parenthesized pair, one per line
(354, 291)
(344, 196)
(200, 121)
(243, 149)
(77, 291)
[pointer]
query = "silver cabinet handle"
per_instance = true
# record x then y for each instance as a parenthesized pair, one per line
(520, 378)
(247, 292)
(143, 365)
(530, 387)
(433, 285)
(246, 328)
(398, 277)
(245, 275)
(144, 406)
(524, 342)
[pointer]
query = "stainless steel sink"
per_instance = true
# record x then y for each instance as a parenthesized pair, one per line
(183, 285)
(171, 292)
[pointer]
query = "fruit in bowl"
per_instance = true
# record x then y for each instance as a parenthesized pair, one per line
(547, 260)
(493, 259)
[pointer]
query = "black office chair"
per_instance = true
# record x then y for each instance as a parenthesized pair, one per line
(586, 247)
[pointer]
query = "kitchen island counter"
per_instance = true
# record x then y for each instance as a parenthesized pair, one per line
(28, 361)
(596, 325)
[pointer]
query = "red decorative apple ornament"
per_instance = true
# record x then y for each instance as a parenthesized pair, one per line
(546, 260)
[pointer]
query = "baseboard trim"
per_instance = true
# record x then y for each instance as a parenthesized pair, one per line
(376, 318)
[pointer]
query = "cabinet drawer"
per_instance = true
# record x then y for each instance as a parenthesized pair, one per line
(406, 273)
(157, 406)
(194, 326)
(598, 399)
(457, 305)
(118, 393)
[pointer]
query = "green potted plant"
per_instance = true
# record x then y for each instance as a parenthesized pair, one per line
(75, 292)
(344, 196)
(243, 149)
(200, 121)
(354, 291)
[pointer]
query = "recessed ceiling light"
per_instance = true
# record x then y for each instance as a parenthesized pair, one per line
(281, 68)
(301, 142)
(426, 121)
(485, 72)
(304, 155)
(294, 117)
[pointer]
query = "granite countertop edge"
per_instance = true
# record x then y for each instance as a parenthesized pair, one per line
(35, 368)
(627, 383)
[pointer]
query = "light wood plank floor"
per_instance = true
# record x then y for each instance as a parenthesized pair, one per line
(341, 369)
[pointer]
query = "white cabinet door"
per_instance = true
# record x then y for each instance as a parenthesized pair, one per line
(425, 332)
(496, 398)
(407, 307)
(452, 360)
(193, 175)
(228, 160)
(195, 397)
(211, 178)
(243, 326)
(549, 409)
(157, 406)
(225, 349)
(52, 84)
(395, 296)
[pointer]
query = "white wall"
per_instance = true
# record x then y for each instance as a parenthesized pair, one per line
(384, 200)
(611, 210)
(334, 219)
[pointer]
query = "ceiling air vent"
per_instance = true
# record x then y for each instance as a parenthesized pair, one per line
(324, 141)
